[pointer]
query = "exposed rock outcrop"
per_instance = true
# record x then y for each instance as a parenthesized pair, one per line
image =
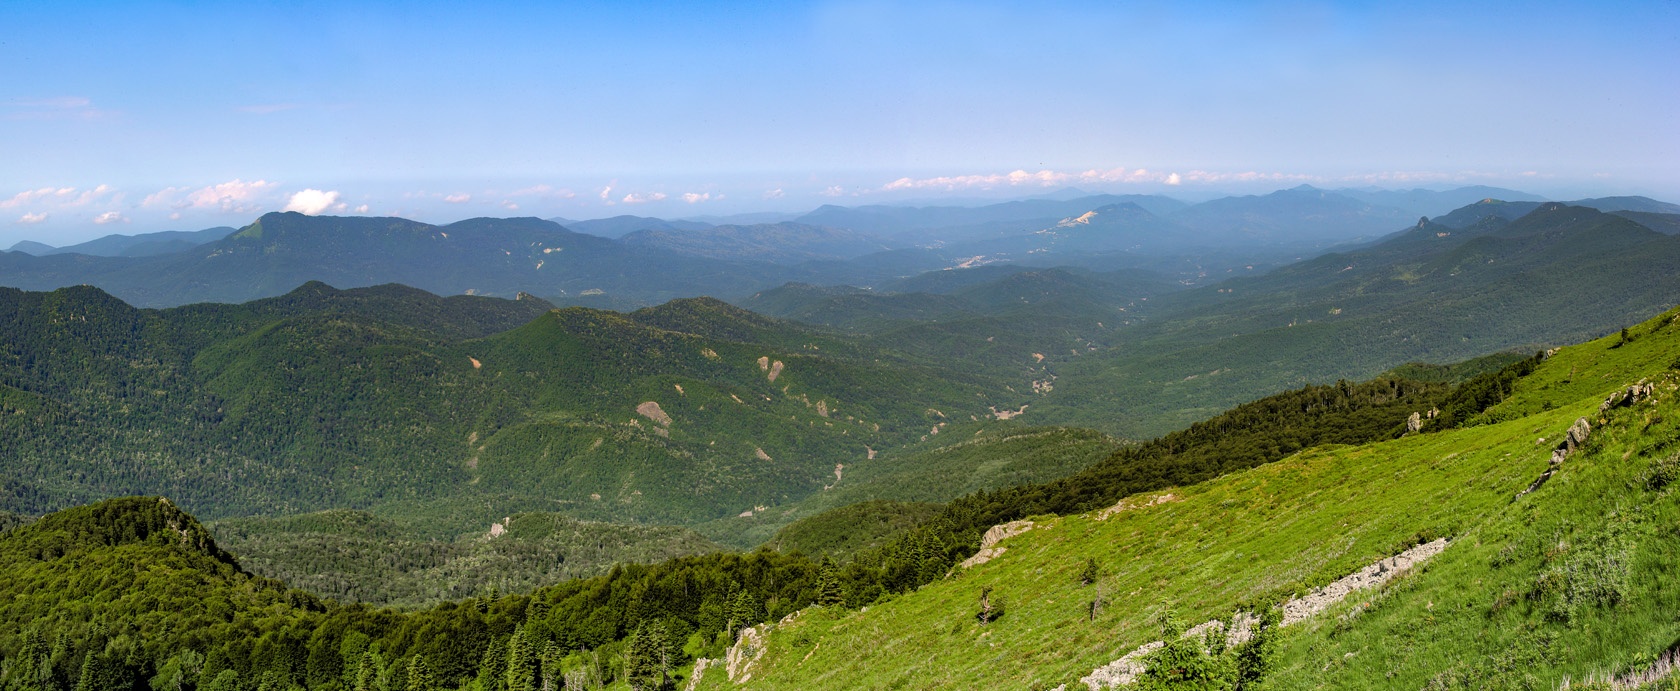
(699, 669)
(1130, 503)
(652, 411)
(1126, 669)
(1632, 395)
(988, 542)
(1573, 439)
(1369, 577)
(748, 648)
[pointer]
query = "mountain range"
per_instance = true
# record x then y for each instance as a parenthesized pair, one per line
(653, 260)
(1524, 545)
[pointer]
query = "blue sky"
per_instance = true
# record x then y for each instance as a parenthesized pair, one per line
(129, 117)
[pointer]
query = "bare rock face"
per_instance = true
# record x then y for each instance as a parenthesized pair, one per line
(748, 648)
(699, 669)
(1369, 577)
(1573, 440)
(1415, 422)
(1135, 502)
(988, 542)
(1002, 532)
(1577, 435)
(1633, 394)
(1121, 672)
(652, 411)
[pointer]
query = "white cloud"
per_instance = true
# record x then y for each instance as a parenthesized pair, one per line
(458, 198)
(360, 209)
(28, 196)
(31, 219)
(696, 198)
(544, 191)
(109, 217)
(1048, 178)
(509, 205)
(773, 194)
(235, 196)
(1044, 178)
(312, 201)
(1018, 178)
(89, 196)
(1203, 176)
(835, 191)
(606, 193)
(634, 198)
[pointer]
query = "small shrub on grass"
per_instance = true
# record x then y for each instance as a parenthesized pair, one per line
(991, 606)
(1089, 574)
(1185, 664)
(1663, 473)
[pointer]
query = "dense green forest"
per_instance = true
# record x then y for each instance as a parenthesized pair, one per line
(451, 412)
(235, 630)
(353, 556)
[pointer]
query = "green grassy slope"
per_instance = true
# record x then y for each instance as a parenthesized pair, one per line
(929, 472)
(1563, 582)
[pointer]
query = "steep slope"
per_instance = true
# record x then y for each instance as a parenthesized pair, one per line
(1665, 223)
(1432, 294)
(1530, 590)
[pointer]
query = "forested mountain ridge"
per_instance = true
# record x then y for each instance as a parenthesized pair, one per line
(142, 245)
(1501, 591)
(1431, 293)
(452, 411)
(488, 256)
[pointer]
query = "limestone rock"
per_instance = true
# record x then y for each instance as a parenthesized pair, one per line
(1002, 532)
(699, 669)
(748, 648)
(1577, 435)
(1126, 669)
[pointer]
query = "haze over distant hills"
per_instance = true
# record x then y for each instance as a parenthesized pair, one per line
(142, 245)
(652, 260)
(389, 445)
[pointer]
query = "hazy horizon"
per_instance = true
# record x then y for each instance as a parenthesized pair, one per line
(126, 119)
